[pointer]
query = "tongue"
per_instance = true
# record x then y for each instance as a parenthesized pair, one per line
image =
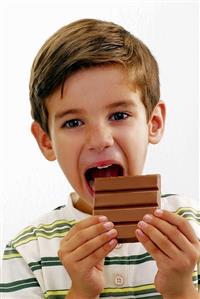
(105, 172)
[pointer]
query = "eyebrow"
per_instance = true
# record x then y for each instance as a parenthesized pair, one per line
(123, 104)
(69, 111)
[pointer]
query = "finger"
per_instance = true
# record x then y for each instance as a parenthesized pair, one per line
(159, 239)
(171, 231)
(99, 254)
(182, 224)
(87, 234)
(150, 247)
(92, 245)
(92, 220)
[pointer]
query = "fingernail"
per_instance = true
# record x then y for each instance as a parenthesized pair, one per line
(112, 242)
(158, 212)
(139, 233)
(112, 232)
(108, 225)
(103, 219)
(148, 218)
(142, 224)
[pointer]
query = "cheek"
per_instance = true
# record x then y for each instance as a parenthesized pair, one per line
(67, 151)
(134, 137)
(135, 143)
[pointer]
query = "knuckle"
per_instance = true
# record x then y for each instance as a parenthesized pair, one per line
(156, 221)
(99, 229)
(86, 247)
(154, 251)
(96, 218)
(96, 255)
(164, 242)
(174, 231)
(81, 237)
(65, 260)
(60, 253)
(67, 236)
(182, 222)
(197, 246)
(76, 227)
(194, 257)
(185, 264)
(104, 238)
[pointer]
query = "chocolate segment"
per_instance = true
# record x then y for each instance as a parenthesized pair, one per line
(140, 182)
(123, 214)
(126, 232)
(125, 200)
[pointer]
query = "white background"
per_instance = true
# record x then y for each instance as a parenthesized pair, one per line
(30, 185)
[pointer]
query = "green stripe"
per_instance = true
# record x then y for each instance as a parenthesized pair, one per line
(18, 285)
(10, 251)
(189, 214)
(167, 195)
(60, 207)
(10, 254)
(45, 262)
(146, 297)
(55, 294)
(127, 291)
(151, 296)
(186, 212)
(128, 260)
(41, 235)
(61, 296)
(45, 227)
(45, 231)
(121, 260)
(136, 291)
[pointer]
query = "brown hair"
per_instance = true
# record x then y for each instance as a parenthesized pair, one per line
(83, 44)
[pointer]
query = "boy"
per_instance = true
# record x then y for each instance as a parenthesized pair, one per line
(94, 92)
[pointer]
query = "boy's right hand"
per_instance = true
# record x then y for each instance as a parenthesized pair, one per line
(82, 253)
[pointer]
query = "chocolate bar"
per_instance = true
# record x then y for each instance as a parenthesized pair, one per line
(125, 200)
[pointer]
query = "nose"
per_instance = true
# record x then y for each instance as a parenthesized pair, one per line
(99, 138)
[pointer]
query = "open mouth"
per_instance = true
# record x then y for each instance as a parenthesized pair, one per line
(112, 170)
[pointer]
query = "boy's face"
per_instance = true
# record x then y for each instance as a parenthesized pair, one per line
(98, 128)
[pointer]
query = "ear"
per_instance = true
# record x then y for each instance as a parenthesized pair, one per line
(157, 122)
(43, 140)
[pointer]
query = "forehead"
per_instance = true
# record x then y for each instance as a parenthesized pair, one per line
(104, 80)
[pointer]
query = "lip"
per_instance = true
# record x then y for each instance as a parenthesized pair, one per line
(100, 164)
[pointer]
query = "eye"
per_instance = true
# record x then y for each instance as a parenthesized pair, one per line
(72, 123)
(119, 116)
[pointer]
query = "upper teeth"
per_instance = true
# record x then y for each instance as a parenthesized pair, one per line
(105, 166)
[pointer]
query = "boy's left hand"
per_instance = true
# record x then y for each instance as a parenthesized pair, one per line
(173, 244)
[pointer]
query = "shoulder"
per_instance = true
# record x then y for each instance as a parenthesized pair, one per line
(44, 234)
(47, 228)
(183, 206)
(173, 202)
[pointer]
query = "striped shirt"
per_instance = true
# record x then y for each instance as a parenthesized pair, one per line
(32, 269)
